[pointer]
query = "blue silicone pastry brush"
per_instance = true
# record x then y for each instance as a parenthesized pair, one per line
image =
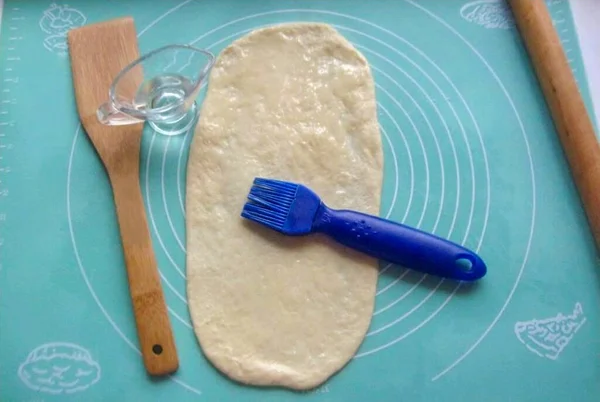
(295, 210)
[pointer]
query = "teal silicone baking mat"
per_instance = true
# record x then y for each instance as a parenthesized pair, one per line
(470, 154)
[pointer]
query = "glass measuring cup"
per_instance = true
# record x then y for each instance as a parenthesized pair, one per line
(160, 87)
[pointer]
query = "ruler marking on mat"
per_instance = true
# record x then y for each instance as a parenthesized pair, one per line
(557, 10)
(10, 82)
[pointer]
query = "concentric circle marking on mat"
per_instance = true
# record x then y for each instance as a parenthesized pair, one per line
(396, 321)
(403, 296)
(164, 196)
(524, 134)
(456, 288)
(447, 130)
(442, 173)
(429, 125)
(402, 317)
(422, 146)
(180, 182)
(468, 150)
(450, 105)
(532, 173)
(153, 222)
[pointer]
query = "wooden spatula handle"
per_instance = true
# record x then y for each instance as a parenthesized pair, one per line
(574, 126)
(151, 316)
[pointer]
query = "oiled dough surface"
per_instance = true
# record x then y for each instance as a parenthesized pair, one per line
(294, 102)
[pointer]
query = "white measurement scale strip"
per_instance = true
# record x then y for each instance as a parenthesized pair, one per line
(586, 15)
(8, 99)
(583, 11)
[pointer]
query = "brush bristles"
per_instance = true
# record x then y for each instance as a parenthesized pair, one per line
(270, 202)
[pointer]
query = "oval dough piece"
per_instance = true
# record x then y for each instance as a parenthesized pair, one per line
(294, 102)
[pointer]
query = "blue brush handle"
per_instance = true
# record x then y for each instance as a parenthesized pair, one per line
(399, 244)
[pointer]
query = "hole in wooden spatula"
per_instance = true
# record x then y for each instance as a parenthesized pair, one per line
(157, 349)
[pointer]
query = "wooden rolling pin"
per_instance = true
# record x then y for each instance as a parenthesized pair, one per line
(574, 126)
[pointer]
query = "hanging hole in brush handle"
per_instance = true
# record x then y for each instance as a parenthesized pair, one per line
(464, 264)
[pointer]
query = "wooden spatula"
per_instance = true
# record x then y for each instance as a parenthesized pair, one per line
(98, 53)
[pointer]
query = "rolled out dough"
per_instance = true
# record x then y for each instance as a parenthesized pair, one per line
(293, 102)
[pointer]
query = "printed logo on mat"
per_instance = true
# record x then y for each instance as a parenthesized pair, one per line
(59, 367)
(549, 337)
(56, 21)
(488, 13)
